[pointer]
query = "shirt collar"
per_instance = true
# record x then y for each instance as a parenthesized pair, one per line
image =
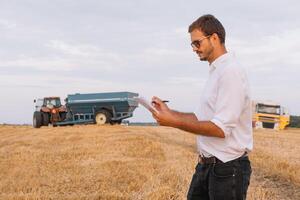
(217, 62)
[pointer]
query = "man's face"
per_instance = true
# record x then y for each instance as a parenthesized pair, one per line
(202, 44)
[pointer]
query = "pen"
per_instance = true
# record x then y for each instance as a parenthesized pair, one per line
(165, 101)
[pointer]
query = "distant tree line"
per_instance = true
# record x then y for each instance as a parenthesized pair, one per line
(294, 121)
(143, 124)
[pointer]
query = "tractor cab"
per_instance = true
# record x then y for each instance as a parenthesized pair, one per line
(51, 102)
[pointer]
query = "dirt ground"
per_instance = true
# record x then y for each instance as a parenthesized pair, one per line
(127, 162)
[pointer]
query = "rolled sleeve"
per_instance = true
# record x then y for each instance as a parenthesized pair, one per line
(222, 126)
(230, 100)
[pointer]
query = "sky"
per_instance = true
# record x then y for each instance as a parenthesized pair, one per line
(61, 47)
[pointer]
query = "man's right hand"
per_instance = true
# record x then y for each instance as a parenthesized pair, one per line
(159, 105)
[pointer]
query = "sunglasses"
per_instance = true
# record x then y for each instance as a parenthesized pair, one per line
(197, 43)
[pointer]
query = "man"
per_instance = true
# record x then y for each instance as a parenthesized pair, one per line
(222, 122)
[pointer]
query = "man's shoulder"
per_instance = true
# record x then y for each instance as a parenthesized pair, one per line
(232, 65)
(232, 68)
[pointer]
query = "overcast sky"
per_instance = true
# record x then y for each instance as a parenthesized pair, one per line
(60, 47)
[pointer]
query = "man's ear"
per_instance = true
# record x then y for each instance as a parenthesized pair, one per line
(215, 37)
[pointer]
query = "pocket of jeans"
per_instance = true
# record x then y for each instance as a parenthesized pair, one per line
(223, 184)
(224, 170)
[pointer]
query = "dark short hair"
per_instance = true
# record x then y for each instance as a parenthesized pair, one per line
(208, 24)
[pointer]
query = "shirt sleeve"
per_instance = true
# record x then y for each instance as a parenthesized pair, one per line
(230, 100)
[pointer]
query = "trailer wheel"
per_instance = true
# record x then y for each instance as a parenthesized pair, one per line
(102, 117)
(37, 119)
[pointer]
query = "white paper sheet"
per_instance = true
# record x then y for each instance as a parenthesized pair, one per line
(145, 103)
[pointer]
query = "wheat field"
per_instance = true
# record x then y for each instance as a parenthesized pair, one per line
(130, 162)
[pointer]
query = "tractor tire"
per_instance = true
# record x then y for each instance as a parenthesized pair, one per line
(102, 117)
(37, 119)
(46, 119)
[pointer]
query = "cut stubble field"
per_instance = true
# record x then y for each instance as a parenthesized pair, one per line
(127, 162)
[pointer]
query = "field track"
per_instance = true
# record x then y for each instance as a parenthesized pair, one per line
(128, 162)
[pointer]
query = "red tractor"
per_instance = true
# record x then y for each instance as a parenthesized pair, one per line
(48, 111)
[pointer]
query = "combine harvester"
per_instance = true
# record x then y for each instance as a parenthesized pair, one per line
(96, 108)
(269, 115)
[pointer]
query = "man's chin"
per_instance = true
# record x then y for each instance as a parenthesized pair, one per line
(203, 58)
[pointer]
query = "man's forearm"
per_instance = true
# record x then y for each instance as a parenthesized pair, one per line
(206, 128)
(189, 122)
(182, 115)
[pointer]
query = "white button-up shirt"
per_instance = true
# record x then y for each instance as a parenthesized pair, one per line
(226, 102)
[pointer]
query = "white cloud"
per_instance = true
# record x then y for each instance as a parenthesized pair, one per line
(266, 52)
(187, 81)
(54, 81)
(82, 50)
(67, 57)
(38, 63)
(7, 24)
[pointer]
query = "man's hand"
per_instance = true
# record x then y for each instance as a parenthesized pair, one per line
(162, 114)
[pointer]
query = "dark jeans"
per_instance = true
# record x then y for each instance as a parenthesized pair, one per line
(226, 181)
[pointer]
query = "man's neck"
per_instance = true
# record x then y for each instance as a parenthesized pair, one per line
(216, 54)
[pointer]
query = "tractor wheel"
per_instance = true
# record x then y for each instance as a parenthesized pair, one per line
(45, 118)
(37, 119)
(102, 117)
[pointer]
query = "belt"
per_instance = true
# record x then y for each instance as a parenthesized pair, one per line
(209, 160)
(213, 159)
